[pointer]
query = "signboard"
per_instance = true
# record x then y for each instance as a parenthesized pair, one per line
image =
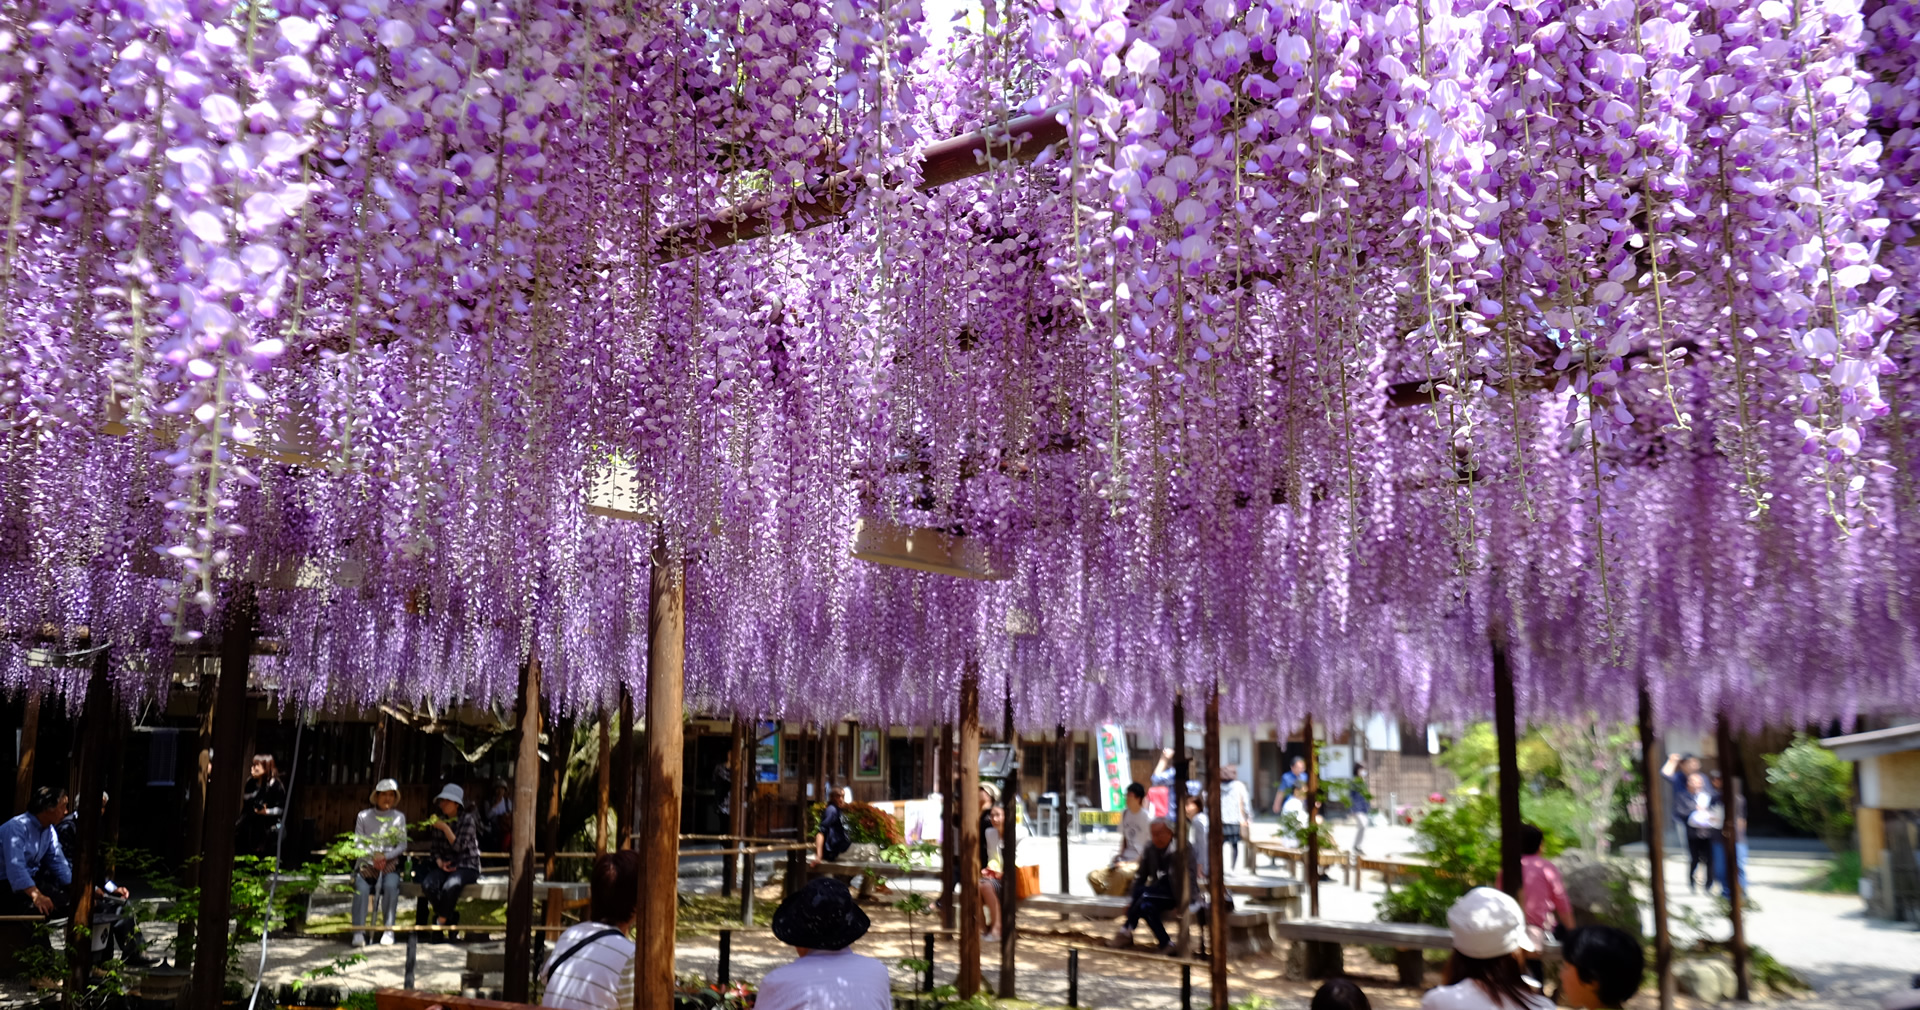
(766, 753)
(1116, 768)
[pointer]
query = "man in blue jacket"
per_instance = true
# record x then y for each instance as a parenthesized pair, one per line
(38, 875)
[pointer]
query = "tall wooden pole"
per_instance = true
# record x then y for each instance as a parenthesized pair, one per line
(1216, 859)
(29, 741)
(1177, 801)
(1507, 740)
(625, 775)
(659, 842)
(1732, 804)
(1063, 759)
(738, 768)
(949, 826)
(1313, 822)
(526, 805)
(968, 841)
(1009, 835)
(96, 742)
(227, 771)
(1656, 848)
(605, 787)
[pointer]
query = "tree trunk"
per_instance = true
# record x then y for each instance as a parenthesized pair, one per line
(526, 804)
(1656, 849)
(96, 742)
(967, 841)
(1730, 832)
(1216, 856)
(227, 770)
(1507, 738)
(660, 820)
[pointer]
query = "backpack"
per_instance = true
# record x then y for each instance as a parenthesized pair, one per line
(835, 830)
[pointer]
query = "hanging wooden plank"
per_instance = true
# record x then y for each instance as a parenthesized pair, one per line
(967, 831)
(97, 741)
(227, 770)
(1507, 741)
(1177, 801)
(1733, 803)
(559, 750)
(964, 157)
(1313, 822)
(1009, 875)
(927, 550)
(1216, 856)
(624, 773)
(949, 778)
(738, 768)
(1063, 782)
(603, 799)
(659, 841)
(518, 979)
(29, 742)
(1656, 787)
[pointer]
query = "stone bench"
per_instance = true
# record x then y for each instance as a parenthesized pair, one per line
(866, 870)
(1321, 940)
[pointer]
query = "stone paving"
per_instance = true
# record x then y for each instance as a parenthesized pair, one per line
(1849, 959)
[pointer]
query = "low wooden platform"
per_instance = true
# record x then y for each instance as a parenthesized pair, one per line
(1249, 925)
(1389, 868)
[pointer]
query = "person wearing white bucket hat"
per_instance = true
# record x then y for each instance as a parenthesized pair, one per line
(1489, 944)
(456, 857)
(381, 832)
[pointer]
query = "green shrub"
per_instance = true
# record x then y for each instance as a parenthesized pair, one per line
(1461, 842)
(865, 823)
(1813, 789)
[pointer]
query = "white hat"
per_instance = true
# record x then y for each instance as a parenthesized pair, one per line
(1487, 924)
(454, 793)
(383, 786)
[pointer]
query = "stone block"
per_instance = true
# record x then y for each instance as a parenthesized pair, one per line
(1710, 980)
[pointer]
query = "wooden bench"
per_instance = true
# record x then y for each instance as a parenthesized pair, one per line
(1389, 868)
(1278, 892)
(867, 870)
(1249, 925)
(1296, 858)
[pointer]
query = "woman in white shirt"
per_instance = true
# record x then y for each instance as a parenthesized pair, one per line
(1490, 945)
(592, 962)
(381, 832)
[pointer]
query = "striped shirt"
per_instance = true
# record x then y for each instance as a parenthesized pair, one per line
(590, 978)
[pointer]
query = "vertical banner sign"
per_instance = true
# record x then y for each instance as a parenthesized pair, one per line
(1116, 768)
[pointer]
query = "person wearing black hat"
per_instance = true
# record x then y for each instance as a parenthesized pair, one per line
(821, 920)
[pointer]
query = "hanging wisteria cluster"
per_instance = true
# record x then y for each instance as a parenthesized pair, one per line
(1333, 338)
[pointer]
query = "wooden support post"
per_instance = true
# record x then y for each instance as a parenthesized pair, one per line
(659, 842)
(624, 772)
(96, 742)
(967, 842)
(949, 779)
(1507, 740)
(819, 771)
(227, 770)
(526, 804)
(1063, 758)
(559, 750)
(1177, 802)
(382, 739)
(1657, 787)
(185, 944)
(738, 768)
(29, 742)
(1733, 804)
(606, 788)
(1216, 855)
(1313, 823)
(1009, 875)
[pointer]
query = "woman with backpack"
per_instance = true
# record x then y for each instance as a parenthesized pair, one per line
(832, 839)
(584, 971)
